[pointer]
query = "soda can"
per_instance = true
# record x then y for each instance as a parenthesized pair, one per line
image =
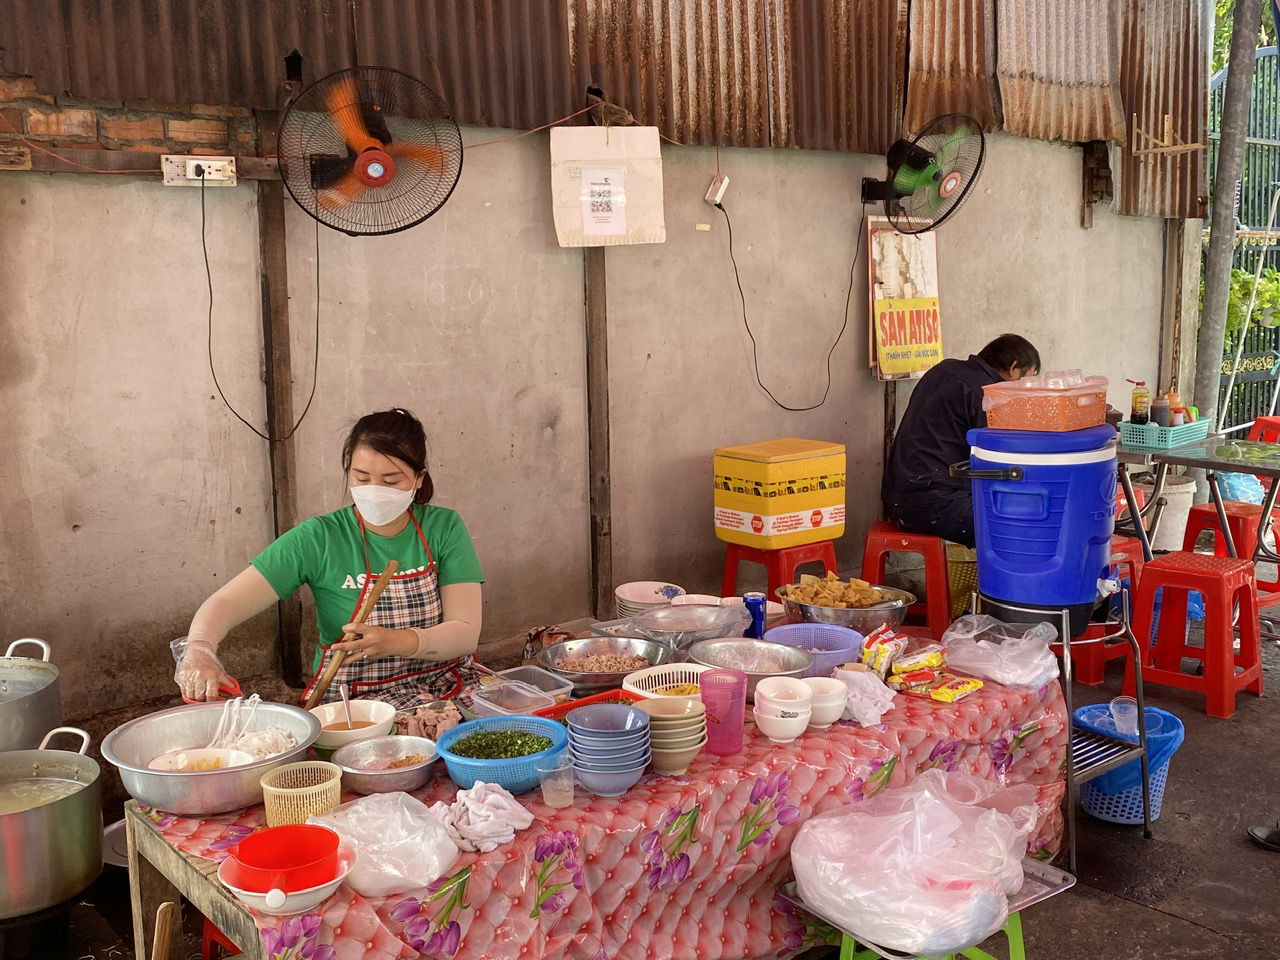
(755, 606)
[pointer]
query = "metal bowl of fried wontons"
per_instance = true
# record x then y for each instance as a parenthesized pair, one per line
(867, 606)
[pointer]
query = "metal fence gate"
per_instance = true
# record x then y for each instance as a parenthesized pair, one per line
(1256, 381)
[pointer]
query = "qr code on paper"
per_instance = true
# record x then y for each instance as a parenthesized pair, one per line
(601, 197)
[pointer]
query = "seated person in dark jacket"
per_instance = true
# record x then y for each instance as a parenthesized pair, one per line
(919, 494)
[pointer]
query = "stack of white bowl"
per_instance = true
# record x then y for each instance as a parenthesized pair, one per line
(677, 732)
(635, 598)
(783, 707)
(829, 696)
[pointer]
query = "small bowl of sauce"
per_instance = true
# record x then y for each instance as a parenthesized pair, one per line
(369, 718)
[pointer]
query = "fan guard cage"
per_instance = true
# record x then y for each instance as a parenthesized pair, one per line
(399, 111)
(959, 148)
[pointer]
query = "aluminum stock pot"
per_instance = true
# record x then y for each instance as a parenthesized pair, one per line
(50, 825)
(30, 701)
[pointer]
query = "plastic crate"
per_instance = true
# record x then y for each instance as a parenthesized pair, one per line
(647, 682)
(561, 710)
(962, 577)
(519, 775)
(1162, 438)
(1126, 805)
(830, 644)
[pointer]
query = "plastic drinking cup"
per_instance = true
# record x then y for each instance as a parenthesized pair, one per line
(555, 774)
(724, 694)
(1125, 712)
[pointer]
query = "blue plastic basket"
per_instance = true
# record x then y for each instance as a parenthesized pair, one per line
(830, 644)
(1124, 806)
(517, 776)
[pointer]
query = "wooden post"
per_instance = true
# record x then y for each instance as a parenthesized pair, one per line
(598, 432)
(279, 368)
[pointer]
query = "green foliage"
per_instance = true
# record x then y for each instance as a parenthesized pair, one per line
(1223, 10)
(1266, 311)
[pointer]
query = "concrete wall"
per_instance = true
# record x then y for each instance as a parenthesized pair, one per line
(474, 321)
(129, 493)
(123, 473)
(1013, 259)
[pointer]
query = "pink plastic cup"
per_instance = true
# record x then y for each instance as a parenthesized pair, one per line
(724, 694)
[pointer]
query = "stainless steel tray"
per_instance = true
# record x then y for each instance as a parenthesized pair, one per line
(1039, 882)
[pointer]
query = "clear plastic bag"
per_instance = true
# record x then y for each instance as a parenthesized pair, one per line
(399, 845)
(926, 868)
(1011, 654)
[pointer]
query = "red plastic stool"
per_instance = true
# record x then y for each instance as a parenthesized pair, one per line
(1242, 519)
(780, 565)
(1122, 504)
(1089, 660)
(1222, 582)
(213, 940)
(1126, 557)
(885, 539)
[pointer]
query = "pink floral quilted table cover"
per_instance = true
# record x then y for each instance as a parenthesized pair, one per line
(680, 867)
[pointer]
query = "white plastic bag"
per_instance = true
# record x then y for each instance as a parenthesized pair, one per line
(868, 699)
(926, 868)
(399, 845)
(1011, 654)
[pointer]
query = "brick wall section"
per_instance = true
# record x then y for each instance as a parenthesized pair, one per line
(192, 128)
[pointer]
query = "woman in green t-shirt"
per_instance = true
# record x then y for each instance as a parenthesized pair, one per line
(418, 641)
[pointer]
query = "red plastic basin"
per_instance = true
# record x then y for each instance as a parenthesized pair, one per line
(284, 858)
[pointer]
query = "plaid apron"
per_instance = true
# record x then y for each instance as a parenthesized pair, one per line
(411, 600)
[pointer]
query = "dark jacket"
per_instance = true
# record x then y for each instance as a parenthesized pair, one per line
(946, 404)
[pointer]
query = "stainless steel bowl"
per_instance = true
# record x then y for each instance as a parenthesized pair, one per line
(653, 651)
(756, 658)
(355, 758)
(133, 745)
(865, 619)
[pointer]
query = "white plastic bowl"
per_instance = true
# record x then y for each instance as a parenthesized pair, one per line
(382, 715)
(187, 759)
(784, 690)
(825, 714)
(782, 711)
(277, 903)
(779, 730)
(826, 689)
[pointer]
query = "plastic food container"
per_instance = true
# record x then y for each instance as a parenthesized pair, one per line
(1058, 402)
(509, 699)
(557, 688)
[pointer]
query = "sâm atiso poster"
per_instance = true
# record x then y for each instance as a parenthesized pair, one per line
(906, 317)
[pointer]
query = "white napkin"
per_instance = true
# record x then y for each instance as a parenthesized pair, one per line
(483, 818)
(868, 699)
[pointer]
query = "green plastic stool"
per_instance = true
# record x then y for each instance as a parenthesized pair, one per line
(1012, 930)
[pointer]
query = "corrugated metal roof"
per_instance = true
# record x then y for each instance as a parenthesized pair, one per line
(502, 64)
(695, 69)
(1165, 70)
(838, 73)
(1059, 69)
(952, 67)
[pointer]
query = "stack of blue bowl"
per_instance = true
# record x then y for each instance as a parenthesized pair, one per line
(609, 743)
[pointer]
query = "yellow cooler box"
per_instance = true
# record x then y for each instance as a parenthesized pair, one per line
(780, 493)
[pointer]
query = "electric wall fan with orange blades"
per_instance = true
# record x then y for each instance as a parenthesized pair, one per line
(931, 175)
(369, 151)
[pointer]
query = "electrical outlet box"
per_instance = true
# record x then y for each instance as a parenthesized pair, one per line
(716, 192)
(187, 171)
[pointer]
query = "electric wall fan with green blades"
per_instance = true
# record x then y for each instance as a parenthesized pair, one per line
(369, 151)
(930, 175)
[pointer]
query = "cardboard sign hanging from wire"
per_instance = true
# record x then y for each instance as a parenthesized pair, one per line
(606, 186)
(905, 329)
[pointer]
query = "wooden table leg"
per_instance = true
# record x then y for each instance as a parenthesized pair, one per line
(148, 889)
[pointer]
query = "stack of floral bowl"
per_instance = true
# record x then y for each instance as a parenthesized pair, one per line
(609, 743)
(677, 731)
(783, 707)
(633, 599)
(829, 697)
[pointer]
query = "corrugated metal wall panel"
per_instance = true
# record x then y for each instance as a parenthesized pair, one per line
(695, 69)
(1165, 70)
(952, 65)
(839, 73)
(1059, 69)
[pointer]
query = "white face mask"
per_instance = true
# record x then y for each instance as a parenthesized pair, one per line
(381, 505)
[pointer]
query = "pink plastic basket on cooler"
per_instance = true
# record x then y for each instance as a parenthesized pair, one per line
(831, 645)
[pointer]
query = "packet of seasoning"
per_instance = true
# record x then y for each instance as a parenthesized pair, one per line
(949, 688)
(926, 658)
